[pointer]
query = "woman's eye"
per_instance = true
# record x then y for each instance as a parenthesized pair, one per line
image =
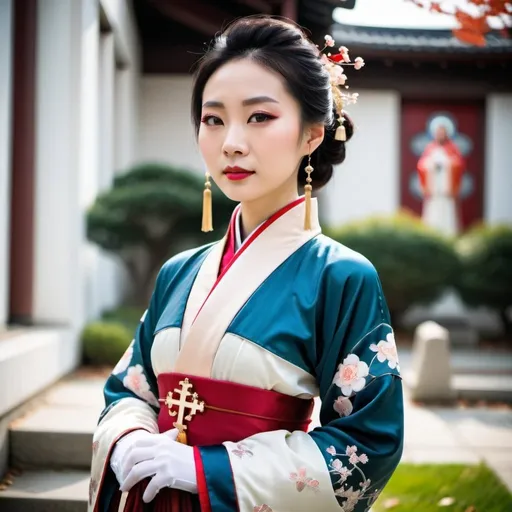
(260, 118)
(211, 120)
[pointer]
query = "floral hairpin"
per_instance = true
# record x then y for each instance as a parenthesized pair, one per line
(333, 64)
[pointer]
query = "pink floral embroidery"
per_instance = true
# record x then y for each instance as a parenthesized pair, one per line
(262, 508)
(386, 351)
(95, 447)
(241, 450)
(343, 406)
(365, 484)
(351, 375)
(124, 362)
(363, 458)
(343, 472)
(352, 498)
(340, 469)
(136, 381)
(351, 378)
(302, 480)
(351, 450)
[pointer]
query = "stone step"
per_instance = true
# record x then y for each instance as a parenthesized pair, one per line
(492, 388)
(57, 432)
(47, 491)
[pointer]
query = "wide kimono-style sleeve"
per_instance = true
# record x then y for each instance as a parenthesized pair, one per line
(130, 403)
(345, 463)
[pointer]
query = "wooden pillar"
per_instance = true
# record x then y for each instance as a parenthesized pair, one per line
(23, 169)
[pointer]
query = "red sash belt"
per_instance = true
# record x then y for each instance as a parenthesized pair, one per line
(231, 412)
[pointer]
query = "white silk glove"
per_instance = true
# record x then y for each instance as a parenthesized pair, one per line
(118, 461)
(161, 457)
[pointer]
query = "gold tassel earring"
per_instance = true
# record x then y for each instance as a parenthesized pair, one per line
(207, 206)
(307, 193)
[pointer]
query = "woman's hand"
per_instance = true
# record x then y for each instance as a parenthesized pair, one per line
(118, 459)
(161, 457)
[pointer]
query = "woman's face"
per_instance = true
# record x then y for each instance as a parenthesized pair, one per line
(250, 135)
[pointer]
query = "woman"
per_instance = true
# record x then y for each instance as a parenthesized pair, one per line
(249, 330)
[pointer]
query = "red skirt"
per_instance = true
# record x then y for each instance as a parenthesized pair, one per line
(231, 412)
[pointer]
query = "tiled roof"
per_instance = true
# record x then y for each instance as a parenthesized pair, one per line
(416, 40)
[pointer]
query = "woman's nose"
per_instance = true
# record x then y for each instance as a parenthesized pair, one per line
(235, 143)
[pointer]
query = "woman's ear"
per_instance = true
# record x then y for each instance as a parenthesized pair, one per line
(313, 137)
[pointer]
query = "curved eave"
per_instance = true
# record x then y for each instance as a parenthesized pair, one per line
(418, 44)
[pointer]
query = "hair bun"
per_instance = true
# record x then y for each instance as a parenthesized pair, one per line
(330, 153)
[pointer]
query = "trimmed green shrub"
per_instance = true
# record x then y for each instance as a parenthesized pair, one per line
(103, 343)
(486, 278)
(128, 316)
(152, 212)
(415, 263)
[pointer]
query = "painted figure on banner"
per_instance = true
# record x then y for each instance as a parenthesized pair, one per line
(210, 408)
(440, 170)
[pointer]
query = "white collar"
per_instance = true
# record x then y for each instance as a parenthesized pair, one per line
(238, 230)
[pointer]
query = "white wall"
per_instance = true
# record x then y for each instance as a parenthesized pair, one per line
(122, 23)
(107, 71)
(103, 282)
(368, 182)
(6, 45)
(126, 118)
(116, 134)
(126, 81)
(74, 280)
(166, 132)
(498, 161)
(58, 280)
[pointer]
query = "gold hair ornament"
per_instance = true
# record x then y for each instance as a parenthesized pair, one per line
(333, 64)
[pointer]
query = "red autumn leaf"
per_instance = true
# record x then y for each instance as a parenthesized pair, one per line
(497, 7)
(467, 22)
(500, 4)
(469, 36)
(472, 30)
(482, 24)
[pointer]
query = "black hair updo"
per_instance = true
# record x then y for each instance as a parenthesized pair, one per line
(282, 47)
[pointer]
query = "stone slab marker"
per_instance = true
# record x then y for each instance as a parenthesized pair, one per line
(431, 371)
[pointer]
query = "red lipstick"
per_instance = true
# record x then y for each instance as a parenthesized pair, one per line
(237, 173)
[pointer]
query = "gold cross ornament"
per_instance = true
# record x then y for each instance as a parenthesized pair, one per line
(194, 406)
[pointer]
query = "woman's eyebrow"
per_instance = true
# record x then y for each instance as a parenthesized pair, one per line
(245, 103)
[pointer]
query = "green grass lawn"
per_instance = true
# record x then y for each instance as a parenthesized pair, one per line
(419, 488)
